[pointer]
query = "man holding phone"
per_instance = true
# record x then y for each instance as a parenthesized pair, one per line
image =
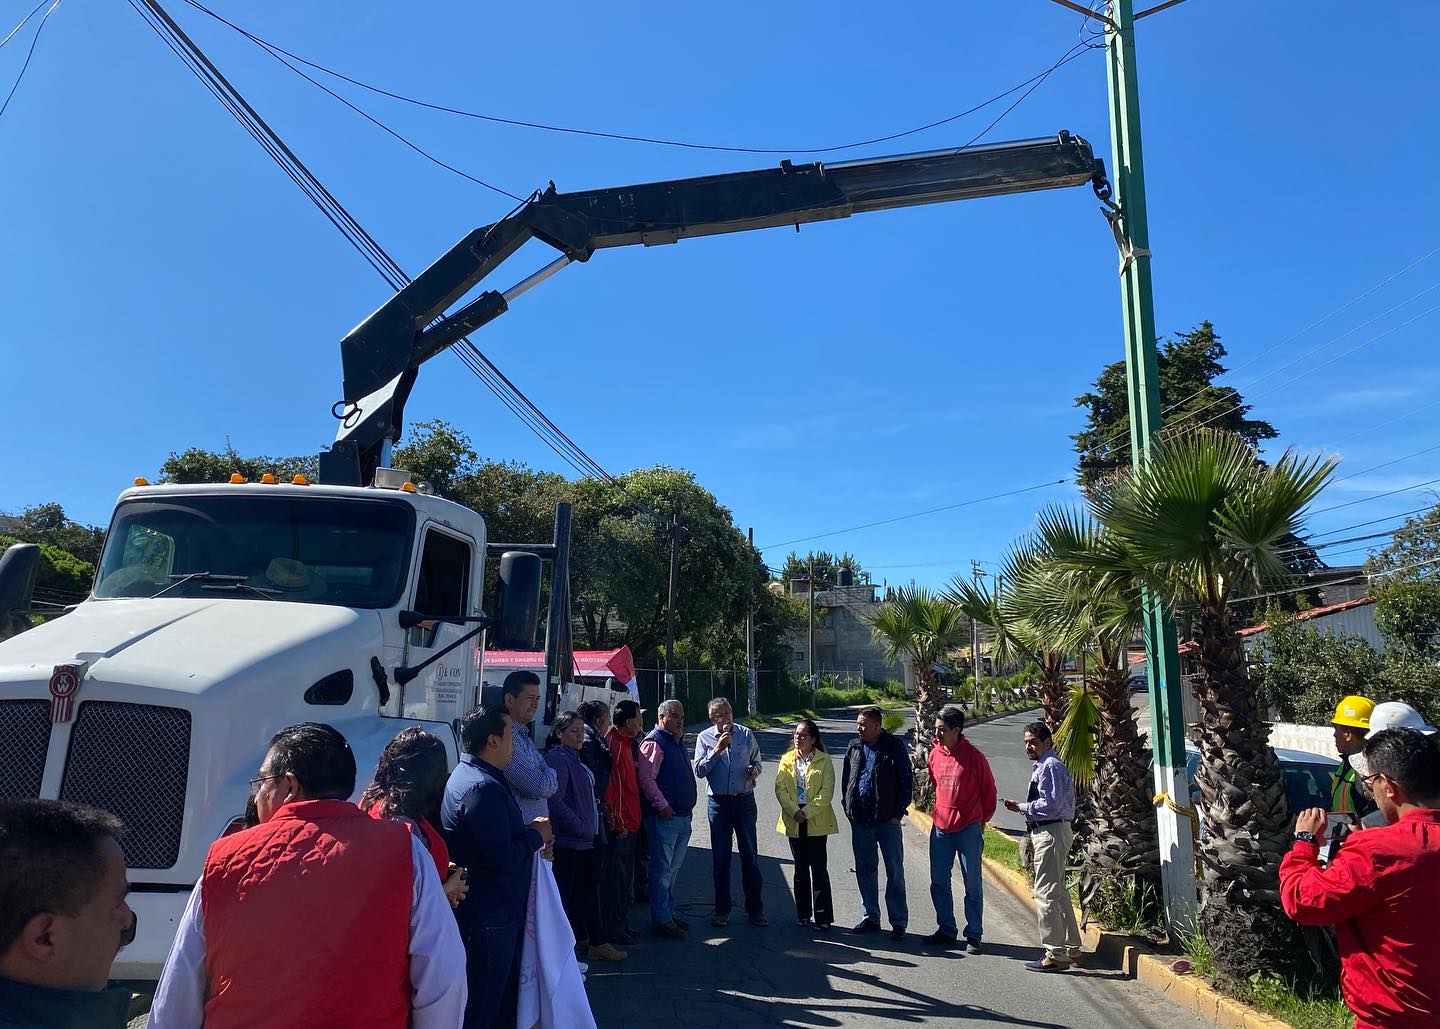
(727, 757)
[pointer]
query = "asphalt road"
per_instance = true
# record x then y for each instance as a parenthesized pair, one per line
(785, 975)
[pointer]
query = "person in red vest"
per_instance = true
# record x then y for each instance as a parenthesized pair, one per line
(622, 808)
(964, 802)
(1381, 891)
(318, 916)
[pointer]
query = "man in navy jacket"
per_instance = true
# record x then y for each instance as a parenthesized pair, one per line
(486, 835)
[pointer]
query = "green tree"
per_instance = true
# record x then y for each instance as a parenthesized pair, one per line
(921, 628)
(1406, 587)
(199, 465)
(1198, 522)
(48, 524)
(1072, 592)
(60, 571)
(827, 566)
(1189, 364)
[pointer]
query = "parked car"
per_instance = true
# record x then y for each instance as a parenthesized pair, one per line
(1307, 778)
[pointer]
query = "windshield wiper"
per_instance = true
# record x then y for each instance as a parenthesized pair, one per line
(183, 578)
(263, 591)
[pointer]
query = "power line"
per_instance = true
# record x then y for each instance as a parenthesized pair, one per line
(29, 53)
(504, 390)
(620, 136)
(1387, 464)
(1358, 577)
(917, 514)
(1378, 496)
(23, 22)
(1380, 425)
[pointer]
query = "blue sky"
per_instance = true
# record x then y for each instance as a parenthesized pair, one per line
(163, 285)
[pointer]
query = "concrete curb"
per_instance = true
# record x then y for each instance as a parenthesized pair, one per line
(1133, 956)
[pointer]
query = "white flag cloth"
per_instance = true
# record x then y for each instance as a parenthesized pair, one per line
(552, 991)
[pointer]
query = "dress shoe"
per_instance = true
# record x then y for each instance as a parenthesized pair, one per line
(897, 932)
(1047, 964)
(866, 926)
(940, 938)
(720, 921)
(972, 946)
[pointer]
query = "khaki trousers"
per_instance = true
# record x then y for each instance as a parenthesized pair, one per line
(1059, 932)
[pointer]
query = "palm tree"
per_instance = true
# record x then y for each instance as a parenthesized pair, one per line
(921, 628)
(1015, 636)
(1201, 522)
(1078, 606)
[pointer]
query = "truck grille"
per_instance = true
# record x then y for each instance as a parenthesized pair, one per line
(133, 760)
(24, 739)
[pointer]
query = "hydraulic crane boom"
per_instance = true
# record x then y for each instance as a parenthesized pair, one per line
(383, 354)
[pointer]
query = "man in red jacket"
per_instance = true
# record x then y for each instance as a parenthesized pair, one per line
(318, 916)
(622, 805)
(964, 802)
(1382, 889)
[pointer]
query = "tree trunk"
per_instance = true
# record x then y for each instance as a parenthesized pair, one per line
(1247, 817)
(928, 700)
(1122, 842)
(1054, 695)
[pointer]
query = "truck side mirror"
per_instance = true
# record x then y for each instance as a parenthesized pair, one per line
(18, 567)
(517, 602)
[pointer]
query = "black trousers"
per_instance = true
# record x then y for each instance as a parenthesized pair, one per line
(640, 883)
(578, 875)
(616, 886)
(812, 877)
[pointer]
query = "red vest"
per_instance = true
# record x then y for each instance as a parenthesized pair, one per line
(307, 921)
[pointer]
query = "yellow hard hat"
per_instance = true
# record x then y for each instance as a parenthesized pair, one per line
(1353, 713)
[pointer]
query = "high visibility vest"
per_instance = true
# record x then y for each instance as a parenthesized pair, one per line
(1343, 784)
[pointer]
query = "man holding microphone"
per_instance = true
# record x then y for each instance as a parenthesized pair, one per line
(727, 757)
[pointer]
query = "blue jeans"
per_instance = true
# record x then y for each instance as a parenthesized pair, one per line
(492, 969)
(865, 840)
(668, 840)
(967, 842)
(734, 815)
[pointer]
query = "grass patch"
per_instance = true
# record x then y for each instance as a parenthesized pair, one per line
(785, 718)
(1003, 848)
(1269, 993)
(893, 721)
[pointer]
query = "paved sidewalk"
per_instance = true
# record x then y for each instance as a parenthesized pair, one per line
(785, 975)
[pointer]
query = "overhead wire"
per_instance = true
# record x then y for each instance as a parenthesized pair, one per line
(478, 363)
(25, 66)
(621, 136)
(23, 21)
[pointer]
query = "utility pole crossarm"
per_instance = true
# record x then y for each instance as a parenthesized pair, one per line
(383, 354)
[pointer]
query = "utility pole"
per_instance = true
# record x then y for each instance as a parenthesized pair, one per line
(669, 685)
(752, 684)
(810, 665)
(1174, 817)
(975, 574)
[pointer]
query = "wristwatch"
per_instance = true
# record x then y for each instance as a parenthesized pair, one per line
(1305, 837)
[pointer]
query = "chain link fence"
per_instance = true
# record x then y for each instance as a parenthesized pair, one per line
(779, 689)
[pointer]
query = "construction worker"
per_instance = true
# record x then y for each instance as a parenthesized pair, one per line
(1351, 723)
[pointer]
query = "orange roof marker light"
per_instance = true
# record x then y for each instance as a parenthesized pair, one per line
(236, 478)
(140, 480)
(268, 479)
(299, 480)
(408, 487)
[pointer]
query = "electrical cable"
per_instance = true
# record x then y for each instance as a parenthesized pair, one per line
(470, 355)
(1378, 496)
(1387, 464)
(23, 22)
(25, 66)
(619, 136)
(916, 514)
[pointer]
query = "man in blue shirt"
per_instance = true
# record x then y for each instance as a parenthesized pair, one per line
(487, 836)
(727, 757)
(1049, 809)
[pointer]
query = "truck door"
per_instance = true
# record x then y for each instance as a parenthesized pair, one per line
(443, 587)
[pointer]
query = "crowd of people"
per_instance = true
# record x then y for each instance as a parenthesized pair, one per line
(413, 904)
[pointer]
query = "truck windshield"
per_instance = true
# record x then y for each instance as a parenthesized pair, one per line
(319, 550)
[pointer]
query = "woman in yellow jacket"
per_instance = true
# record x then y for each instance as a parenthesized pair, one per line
(805, 786)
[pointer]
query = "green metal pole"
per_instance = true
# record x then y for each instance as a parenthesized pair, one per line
(1162, 658)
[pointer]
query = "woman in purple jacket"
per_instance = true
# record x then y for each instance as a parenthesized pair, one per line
(575, 821)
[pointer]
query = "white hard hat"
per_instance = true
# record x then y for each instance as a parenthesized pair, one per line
(1394, 715)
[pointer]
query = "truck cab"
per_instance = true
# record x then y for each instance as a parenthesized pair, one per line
(220, 614)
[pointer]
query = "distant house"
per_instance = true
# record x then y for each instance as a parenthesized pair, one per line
(842, 632)
(1347, 617)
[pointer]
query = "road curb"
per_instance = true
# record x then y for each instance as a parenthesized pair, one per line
(1133, 956)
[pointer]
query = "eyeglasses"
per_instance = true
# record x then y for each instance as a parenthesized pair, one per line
(255, 782)
(1367, 783)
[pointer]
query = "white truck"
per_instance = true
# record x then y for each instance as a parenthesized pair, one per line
(221, 613)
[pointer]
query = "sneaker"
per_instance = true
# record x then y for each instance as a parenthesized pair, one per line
(972, 946)
(940, 938)
(897, 932)
(758, 918)
(720, 921)
(668, 930)
(1047, 964)
(866, 926)
(584, 968)
(607, 952)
